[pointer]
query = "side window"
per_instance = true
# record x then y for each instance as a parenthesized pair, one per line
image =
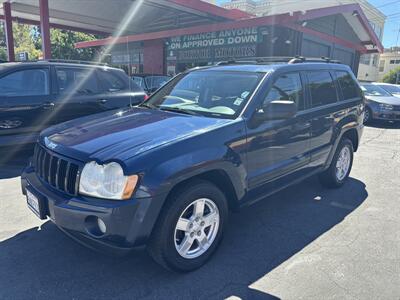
(347, 85)
(31, 82)
(322, 88)
(111, 82)
(287, 87)
(77, 81)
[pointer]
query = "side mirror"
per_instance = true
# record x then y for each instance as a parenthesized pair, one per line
(277, 110)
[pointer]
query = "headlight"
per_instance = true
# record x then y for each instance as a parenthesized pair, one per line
(385, 106)
(106, 181)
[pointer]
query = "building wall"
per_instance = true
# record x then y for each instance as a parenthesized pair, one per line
(368, 68)
(389, 60)
(153, 56)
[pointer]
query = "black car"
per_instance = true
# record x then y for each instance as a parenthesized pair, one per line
(35, 95)
(150, 82)
(212, 140)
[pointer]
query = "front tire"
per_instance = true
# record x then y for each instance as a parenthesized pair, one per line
(367, 115)
(338, 172)
(190, 227)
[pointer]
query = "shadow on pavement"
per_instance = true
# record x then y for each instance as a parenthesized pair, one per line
(384, 125)
(46, 264)
(13, 161)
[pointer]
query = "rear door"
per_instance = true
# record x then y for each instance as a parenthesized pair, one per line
(323, 96)
(79, 92)
(26, 103)
(118, 90)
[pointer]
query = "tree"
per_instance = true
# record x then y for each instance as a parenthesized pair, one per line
(392, 76)
(63, 41)
(3, 46)
(3, 54)
(27, 38)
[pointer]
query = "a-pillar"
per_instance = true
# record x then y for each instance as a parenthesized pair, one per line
(9, 31)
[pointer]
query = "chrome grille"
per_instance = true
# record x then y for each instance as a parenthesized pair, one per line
(59, 172)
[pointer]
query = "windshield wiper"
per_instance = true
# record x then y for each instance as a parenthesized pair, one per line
(179, 110)
(147, 105)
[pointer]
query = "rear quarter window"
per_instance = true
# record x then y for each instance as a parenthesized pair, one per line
(348, 86)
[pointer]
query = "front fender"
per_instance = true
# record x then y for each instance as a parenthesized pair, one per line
(165, 176)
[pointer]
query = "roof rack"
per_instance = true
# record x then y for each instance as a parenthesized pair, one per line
(70, 61)
(276, 59)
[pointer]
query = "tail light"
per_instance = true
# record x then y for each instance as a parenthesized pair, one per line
(146, 97)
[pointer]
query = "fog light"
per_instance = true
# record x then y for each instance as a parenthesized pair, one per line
(102, 225)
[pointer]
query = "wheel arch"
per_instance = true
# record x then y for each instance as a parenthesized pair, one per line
(219, 178)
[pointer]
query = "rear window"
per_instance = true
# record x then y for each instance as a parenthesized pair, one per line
(322, 88)
(349, 88)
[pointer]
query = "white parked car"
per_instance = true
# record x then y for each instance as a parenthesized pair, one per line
(393, 89)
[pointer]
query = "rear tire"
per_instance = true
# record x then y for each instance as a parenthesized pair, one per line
(190, 227)
(338, 172)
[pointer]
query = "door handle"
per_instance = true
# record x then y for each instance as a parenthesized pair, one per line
(102, 101)
(48, 105)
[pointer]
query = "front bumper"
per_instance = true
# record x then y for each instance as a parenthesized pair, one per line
(128, 223)
(388, 115)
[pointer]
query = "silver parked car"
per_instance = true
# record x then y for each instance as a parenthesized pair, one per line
(380, 104)
(393, 89)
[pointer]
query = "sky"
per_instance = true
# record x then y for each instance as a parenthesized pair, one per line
(391, 9)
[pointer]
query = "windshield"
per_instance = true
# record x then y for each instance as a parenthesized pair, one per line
(390, 88)
(374, 90)
(208, 93)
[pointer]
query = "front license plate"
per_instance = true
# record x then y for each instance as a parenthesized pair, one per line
(34, 204)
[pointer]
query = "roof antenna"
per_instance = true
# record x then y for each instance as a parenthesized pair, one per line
(129, 73)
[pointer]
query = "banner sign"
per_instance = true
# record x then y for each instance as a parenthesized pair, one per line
(212, 54)
(230, 37)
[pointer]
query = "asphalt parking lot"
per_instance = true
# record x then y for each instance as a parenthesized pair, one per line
(305, 242)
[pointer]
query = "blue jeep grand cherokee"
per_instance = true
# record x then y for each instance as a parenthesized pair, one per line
(213, 139)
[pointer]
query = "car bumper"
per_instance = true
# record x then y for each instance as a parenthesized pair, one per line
(128, 223)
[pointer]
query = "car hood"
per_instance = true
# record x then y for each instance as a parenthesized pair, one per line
(386, 100)
(120, 135)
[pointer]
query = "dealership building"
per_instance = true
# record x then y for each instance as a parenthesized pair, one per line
(169, 36)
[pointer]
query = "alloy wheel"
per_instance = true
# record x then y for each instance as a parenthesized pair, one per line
(197, 228)
(10, 124)
(343, 163)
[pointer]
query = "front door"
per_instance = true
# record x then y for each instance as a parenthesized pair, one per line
(279, 147)
(25, 101)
